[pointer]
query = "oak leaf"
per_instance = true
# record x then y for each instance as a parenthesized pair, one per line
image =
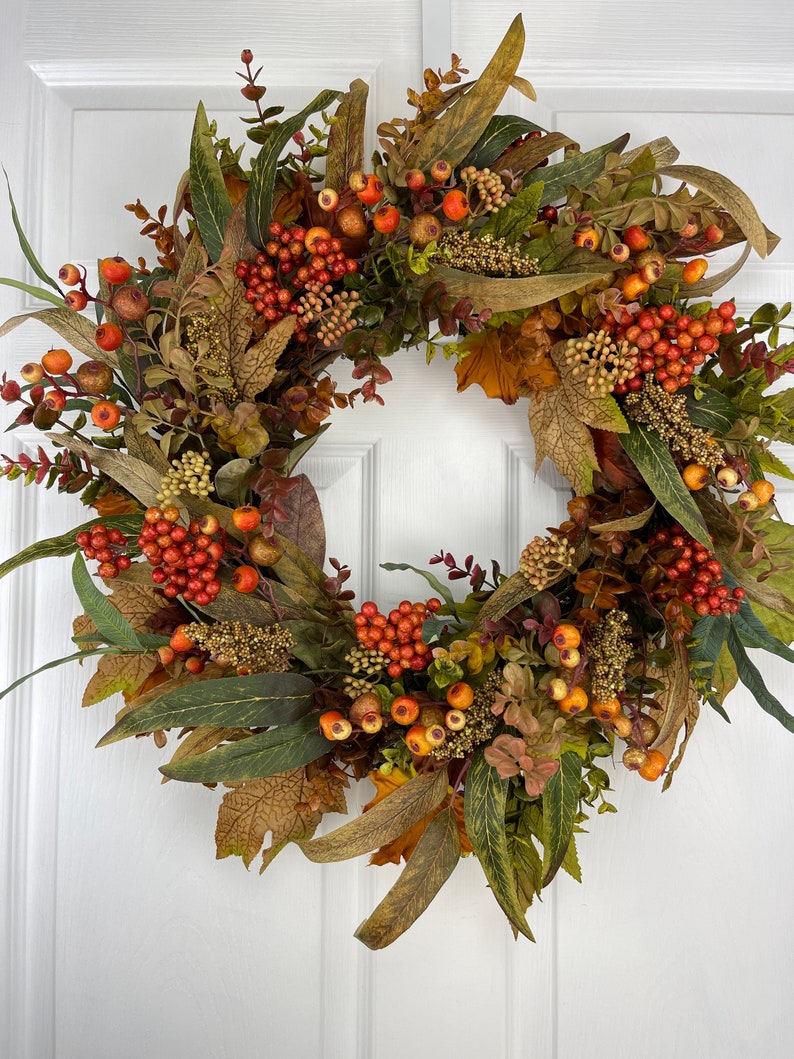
(402, 847)
(254, 369)
(232, 316)
(564, 439)
(505, 363)
(114, 673)
(289, 806)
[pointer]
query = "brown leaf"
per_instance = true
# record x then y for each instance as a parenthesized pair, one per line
(617, 470)
(506, 363)
(118, 673)
(680, 705)
(564, 439)
(235, 236)
(346, 136)
(254, 368)
(285, 805)
(232, 317)
(504, 295)
(528, 154)
(305, 526)
(83, 626)
(403, 846)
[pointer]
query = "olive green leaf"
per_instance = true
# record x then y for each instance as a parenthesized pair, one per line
(754, 682)
(484, 805)
(208, 195)
(27, 249)
(137, 477)
(65, 543)
(652, 459)
(111, 625)
(711, 410)
(256, 701)
(75, 328)
(579, 169)
(77, 656)
(432, 862)
(346, 136)
(454, 134)
(384, 822)
(560, 804)
(500, 132)
(517, 216)
(264, 754)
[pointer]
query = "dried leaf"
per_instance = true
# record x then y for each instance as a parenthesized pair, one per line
(506, 363)
(235, 237)
(232, 317)
(254, 369)
(680, 705)
(504, 295)
(305, 526)
(601, 413)
(346, 137)
(133, 475)
(564, 439)
(118, 673)
(289, 806)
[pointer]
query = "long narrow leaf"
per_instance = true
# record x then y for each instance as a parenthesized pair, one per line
(431, 579)
(211, 205)
(110, 623)
(560, 803)
(27, 249)
(35, 292)
(257, 757)
(65, 543)
(256, 701)
(754, 682)
(52, 665)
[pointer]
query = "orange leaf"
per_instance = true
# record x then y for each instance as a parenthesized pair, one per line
(507, 363)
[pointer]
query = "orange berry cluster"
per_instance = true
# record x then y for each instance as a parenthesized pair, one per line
(398, 636)
(107, 547)
(292, 259)
(692, 574)
(184, 560)
(672, 345)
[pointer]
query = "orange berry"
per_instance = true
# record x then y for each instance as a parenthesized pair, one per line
(694, 270)
(588, 239)
(633, 286)
(105, 414)
(57, 361)
(405, 710)
(654, 766)
(334, 726)
(440, 171)
(245, 579)
(179, 642)
(416, 740)
(695, 476)
(565, 635)
(246, 518)
(763, 489)
(605, 711)
(372, 193)
(455, 205)
(108, 337)
(313, 236)
(386, 219)
(636, 238)
(460, 696)
(76, 300)
(574, 702)
(115, 270)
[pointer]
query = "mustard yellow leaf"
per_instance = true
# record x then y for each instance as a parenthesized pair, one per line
(288, 805)
(254, 369)
(564, 439)
(116, 673)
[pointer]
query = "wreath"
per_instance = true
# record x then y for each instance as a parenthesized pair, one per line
(578, 280)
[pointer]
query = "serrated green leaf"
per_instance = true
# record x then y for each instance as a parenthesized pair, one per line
(432, 862)
(754, 682)
(431, 579)
(560, 803)
(771, 464)
(652, 459)
(385, 821)
(27, 249)
(77, 656)
(210, 200)
(258, 756)
(111, 625)
(259, 200)
(577, 169)
(514, 219)
(65, 543)
(484, 804)
(257, 701)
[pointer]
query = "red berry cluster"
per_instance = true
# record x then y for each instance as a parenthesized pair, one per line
(692, 574)
(184, 560)
(107, 547)
(276, 276)
(398, 636)
(672, 346)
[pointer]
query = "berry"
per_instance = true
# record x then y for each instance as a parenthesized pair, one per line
(455, 205)
(565, 635)
(405, 710)
(115, 270)
(386, 219)
(654, 766)
(76, 300)
(372, 192)
(328, 199)
(56, 361)
(130, 303)
(334, 726)
(694, 270)
(460, 695)
(695, 475)
(574, 702)
(246, 518)
(440, 171)
(245, 579)
(94, 377)
(108, 337)
(105, 414)
(415, 179)
(636, 238)
(69, 275)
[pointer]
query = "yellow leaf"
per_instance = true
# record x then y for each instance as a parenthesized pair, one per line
(288, 805)
(118, 673)
(564, 439)
(254, 368)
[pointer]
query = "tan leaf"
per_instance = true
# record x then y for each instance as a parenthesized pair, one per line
(201, 739)
(232, 317)
(680, 705)
(254, 369)
(83, 626)
(137, 477)
(236, 235)
(118, 673)
(564, 439)
(602, 413)
(145, 448)
(284, 805)
(504, 295)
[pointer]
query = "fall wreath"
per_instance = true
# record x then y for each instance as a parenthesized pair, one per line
(578, 280)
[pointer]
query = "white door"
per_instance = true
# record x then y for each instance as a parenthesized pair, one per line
(122, 937)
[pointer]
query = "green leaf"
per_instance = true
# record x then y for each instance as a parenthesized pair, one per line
(517, 216)
(258, 701)
(771, 464)
(560, 803)
(27, 249)
(35, 292)
(711, 410)
(77, 656)
(499, 133)
(710, 632)
(384, 822)
(454, 134)
(259, 200)
(577, 169)
(753, 681)
(652, 459)
(432, 862)
(211, 205)
(431, 579)
(111, 625)
(65, 544)
(258, 756)
(484, 815)
(346, 136)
